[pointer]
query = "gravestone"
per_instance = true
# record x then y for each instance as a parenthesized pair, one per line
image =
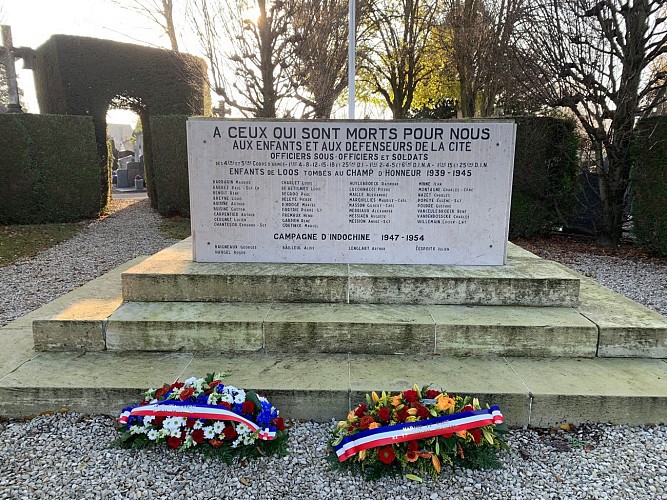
(366, 192)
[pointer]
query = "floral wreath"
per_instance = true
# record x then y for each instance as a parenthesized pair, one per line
(206, 414)
(417, 431)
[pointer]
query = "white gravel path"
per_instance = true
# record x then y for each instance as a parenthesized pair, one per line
(67, 455)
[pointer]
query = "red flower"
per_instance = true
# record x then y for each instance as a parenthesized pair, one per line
(384, 414)
(402, 414)
(386, 455)
(190, 422)
(176, 385)
(174, 442)
(432, 394)
(215, 442)
(198, 436)
(413, 445)
(225, 404)
(410, 396)
(423, 413)
(248, 407)
(468, 408)
(230, 433)
(366, 421)
(447, 434)
(161, 391)
(158, 421)
(476, 435)
(186, 393)
(279, 422)
(360, 411)
(411, 456)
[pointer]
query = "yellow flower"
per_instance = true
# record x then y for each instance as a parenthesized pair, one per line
(351, 417)
(475, 404)
(411, 419)
(362, 455)
(374, 425)
(444, 403)
(412, 411)
(396, 400)
(342, 424)
(375, 397)
(462, 434)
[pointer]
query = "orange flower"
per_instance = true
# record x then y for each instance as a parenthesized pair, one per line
(351, 417)
(374, 425)
(436, 463)
(396, 400)
(444, 403)
(462, 434)
(412, 456)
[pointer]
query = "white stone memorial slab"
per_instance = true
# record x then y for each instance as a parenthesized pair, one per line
(374, 192)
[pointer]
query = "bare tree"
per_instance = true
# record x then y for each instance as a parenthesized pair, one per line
(253, 53)
(478, 37)
(160, 12)
(594, 57)
(393, 50)
(320, 43)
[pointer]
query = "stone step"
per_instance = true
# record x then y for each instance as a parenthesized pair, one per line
(321, 387)
(171, 276)
(354, 328)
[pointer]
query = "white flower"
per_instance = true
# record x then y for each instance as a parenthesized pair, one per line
(218, 427)
(163, 433)
(198, 424)
(152, 435)
(175, 432)
(243, 429)
(171, 423)
(240, 396)
(137, 429)
(227, 398)
(191, 381)
(209, 432)
(148, 419)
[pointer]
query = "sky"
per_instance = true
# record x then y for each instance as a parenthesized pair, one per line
(34, 21)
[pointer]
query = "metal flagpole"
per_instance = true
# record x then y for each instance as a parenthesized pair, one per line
(351, 52)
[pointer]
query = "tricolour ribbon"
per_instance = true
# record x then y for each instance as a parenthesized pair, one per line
(170, 408)
(422, 429)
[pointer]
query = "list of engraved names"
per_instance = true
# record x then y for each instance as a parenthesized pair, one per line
(353, 192)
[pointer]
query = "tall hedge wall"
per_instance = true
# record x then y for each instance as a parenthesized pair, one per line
(649, 184)
(545, 174)
(49, 169)
(83, 76)
(169, 163)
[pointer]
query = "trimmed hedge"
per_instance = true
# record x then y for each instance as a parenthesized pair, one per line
(545, 184)
(49, 168)
(649, 184)
(169, 164)
(81, 76)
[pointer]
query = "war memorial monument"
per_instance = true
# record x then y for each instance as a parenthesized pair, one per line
(332, 258)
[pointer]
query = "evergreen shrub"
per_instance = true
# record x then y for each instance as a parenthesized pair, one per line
(649, 184)
(49, 169)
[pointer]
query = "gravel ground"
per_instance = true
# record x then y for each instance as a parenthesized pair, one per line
(128, 231)
(67, 455)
